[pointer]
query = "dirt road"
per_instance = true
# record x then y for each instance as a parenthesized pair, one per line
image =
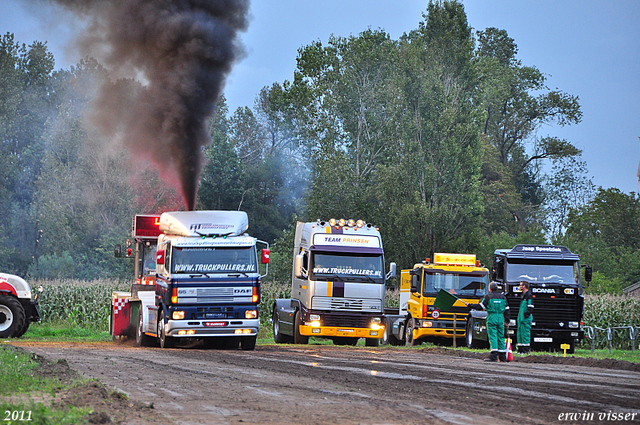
(317, 384)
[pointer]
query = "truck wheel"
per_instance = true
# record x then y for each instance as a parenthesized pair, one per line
(371, 342)
(297, 337)
(278, 337)
(142, 340)
(394, 341)
(165, 340)
(408, 335)
(471, 342)
(248, 343)
(12, 317)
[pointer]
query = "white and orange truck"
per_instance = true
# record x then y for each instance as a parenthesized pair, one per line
(337, 285)
(197, 276)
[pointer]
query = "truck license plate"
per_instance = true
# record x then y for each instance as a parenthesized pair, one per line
(540, 339)
(215, 315)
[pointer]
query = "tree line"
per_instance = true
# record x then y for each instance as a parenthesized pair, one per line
(434, 137)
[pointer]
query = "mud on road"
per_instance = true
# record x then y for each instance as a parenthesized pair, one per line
(320, 384)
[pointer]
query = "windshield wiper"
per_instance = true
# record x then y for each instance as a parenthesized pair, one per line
(367, 276)
(199, 274)
(237, 274)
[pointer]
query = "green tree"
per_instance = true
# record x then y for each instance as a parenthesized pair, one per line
(27, 100)
(429, 187)
(516, 103)
(606, 232)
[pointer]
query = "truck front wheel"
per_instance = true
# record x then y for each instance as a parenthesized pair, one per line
(278, 337)
(471, 342)
(165, 340)
(408, 335)
(142, 340)
(12, 317)
(297, 337)
(248, 343)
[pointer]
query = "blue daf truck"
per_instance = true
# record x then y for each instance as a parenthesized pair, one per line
(197, 276)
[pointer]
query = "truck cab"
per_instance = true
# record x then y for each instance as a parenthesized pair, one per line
(420, 318)
(555, 278)
(337, 285)
(203, 282)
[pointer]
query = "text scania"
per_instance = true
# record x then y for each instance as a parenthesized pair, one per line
(195, 268)
(544, 290)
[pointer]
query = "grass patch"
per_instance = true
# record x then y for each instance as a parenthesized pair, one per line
(18, 374)
(64, 331)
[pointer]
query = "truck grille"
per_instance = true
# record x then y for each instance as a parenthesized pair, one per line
(215, 292)
(346, 304)
(549, 312)
(344, 320)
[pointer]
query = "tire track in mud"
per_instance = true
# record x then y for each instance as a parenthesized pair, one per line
(328, 384)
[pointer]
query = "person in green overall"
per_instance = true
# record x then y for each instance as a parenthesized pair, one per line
(498, 315)
(525, 317)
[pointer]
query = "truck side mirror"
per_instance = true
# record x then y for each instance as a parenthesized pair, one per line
(160, 257)
(414, 283)
(392, 271)
(266, 256)
(588, 273)
(298, 267)
(118, 251)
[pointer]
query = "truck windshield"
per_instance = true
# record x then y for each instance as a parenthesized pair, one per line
(213, 260)
(467, 284)
(353, 268)
(543, 271)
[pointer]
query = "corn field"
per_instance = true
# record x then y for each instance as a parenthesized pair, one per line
(87, 304)
(609, 311)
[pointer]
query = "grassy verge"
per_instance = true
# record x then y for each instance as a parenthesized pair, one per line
(64, 331)
(21, 383)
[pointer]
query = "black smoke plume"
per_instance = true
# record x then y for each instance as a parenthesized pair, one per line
(181, 51)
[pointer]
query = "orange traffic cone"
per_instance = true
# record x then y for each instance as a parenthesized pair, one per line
(509, 352)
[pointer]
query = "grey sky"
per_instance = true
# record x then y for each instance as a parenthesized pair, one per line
(587, 48)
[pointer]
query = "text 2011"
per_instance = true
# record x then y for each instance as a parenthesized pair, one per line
(17, 415)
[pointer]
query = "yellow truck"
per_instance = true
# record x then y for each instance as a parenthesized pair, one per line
(419, 317)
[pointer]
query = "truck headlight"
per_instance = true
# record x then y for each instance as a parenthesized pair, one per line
(314, 317)
(512, 322)
(251, 314)
(573, 324)
(376, 324)
(427, 324)
(177, 315)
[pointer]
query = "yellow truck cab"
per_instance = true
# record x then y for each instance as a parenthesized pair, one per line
(460, 275)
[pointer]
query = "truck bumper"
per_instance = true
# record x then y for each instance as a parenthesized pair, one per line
(212, 328)
(555, 335)
(331, 331)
